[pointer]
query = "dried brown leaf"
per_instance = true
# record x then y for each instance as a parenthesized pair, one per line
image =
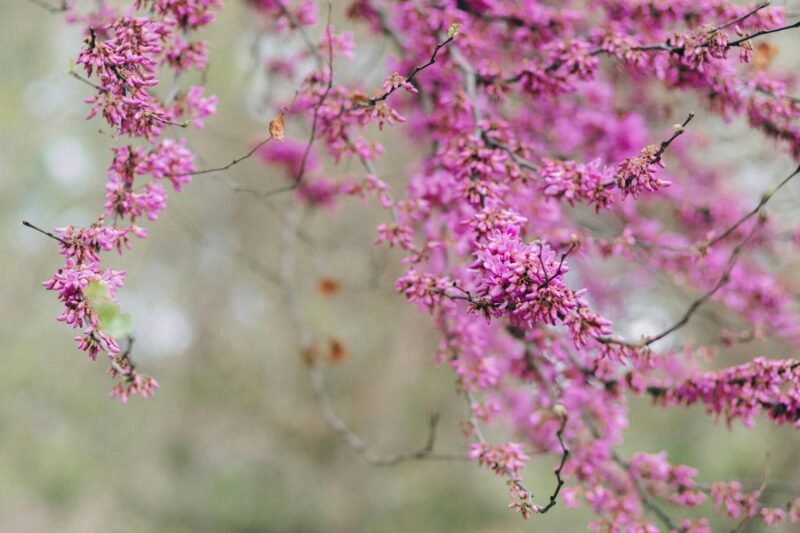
(276, 126)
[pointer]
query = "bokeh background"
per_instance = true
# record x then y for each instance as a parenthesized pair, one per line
(234, 440)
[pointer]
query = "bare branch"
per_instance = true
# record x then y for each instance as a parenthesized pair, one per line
(746, 38)
(40, 230)
(62, 7)
(298, 178)
(298, 27)
(765, 197)
(724, 278)
(747, 15)
(229, 165)
(696, 304)
(358, 444)
(558, 471)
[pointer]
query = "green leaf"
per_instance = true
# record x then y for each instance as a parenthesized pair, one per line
(119, 326)
(96, 291)
(453, 31)
(112, 320)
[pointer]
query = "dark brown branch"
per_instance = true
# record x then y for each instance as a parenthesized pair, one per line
(86, 81)
(723, 280)
(732, 259)
(658, 392)
(776, 96)
(524, 163)
(762, 202)
(125, 357)
(672, 49)
(704, 246)
(558, 471)
(678, 132)
(557, 273)
(40, 230)
(747, 15)
(695, 305)
(229, 165)
(527, 505)
(761, 33)
(518, 159)
(426, 452)
(168, 122)
(413, 73)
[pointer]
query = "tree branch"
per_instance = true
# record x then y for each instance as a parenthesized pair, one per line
(357, 443)
(40, 230)
(412, 74)
(61, 8)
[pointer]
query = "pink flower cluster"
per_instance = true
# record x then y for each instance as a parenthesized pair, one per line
(130, 382)
(673, 482)
(521, 115)
(744, 391)
(123, 53)
(71, 283)
(505, 459)
(522, 281)
(126, 65)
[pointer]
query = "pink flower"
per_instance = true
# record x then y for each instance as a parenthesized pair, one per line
(505, 459)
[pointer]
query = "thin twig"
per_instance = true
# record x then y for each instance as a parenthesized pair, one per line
(695, 305)
(723, 280)
(315, 121)
(413, 73)
(761, 33)
(298, 177)
(656, 158)
(667, 48)
(549, 278)
(747, 15)
(229, 165)
(298, 27)
(678, 132)
(646, 501)
(50, 8)
(757, 495)
(765, 197)
(513, 479)
(359, 445)
(40, 230)
(559, 470)
(153, 116)
(732, 259)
